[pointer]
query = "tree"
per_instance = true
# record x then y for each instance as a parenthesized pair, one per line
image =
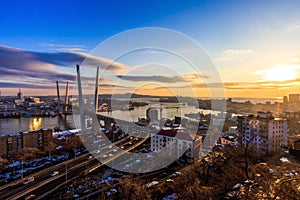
(29, 153)
(3, 163)
(247, 144)
(133, 189)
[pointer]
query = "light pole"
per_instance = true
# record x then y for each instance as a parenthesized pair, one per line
(66, 169)
(75, 151)
(14, 167)
(49, 154)
(22, 171)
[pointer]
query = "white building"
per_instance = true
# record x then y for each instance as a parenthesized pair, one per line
(264, 132)
(190, 142)
(7, 106)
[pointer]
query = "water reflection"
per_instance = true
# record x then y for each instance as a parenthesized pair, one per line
(35, 123)
(9, 126)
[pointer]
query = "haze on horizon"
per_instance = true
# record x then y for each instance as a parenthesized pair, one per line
(254, 46)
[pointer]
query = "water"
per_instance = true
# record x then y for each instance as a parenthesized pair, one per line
(9, 126)
(169, 110)
(258, 100)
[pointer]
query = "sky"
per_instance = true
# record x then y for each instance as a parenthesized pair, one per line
(253, 46)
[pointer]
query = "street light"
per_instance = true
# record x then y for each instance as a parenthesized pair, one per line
(22, 171)
(66, 169)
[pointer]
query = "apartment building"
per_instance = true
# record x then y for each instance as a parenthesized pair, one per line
(263, 132)
(182, 141)
(13, 143)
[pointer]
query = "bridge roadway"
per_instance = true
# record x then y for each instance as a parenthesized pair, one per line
(104, 161)
(126, 126)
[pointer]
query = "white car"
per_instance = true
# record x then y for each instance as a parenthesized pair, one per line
(152, 184)
(170, 180)
(54, 173)
(28, 180)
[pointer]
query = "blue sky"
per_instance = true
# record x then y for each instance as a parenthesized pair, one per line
(245, 39)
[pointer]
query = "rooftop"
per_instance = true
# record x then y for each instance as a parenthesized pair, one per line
(179, 135)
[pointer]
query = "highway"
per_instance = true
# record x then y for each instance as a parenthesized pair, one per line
(74, 167)
(97, 165)
(53, 182)
(43, 177)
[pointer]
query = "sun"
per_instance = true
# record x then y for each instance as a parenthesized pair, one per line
(279, 73)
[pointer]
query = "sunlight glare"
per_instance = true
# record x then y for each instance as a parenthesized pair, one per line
(279, 73)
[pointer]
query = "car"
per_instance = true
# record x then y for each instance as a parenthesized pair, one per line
(237, 186)
(84, 150)
(59, 147)
(170, 180)
(148, 185)
(28, 180)
(16, 176)
(77, 153)
(54, 173)
(86, 191)
(176, 174)
(32, 196)
(126, 167)
(113, 190)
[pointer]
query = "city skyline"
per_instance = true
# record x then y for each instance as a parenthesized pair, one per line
(253, 45)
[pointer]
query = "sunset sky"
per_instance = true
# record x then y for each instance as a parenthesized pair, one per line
(254, 46)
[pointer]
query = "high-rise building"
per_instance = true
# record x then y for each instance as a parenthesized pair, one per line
(285, 99)
(263, 132)
(19, 94)
(294, 98)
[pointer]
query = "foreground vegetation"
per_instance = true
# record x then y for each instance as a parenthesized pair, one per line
(221, 175)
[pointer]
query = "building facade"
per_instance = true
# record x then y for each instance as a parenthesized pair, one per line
(13, 143)
(263, 132)
(7, 106)
(187, 143)
(294, 98)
